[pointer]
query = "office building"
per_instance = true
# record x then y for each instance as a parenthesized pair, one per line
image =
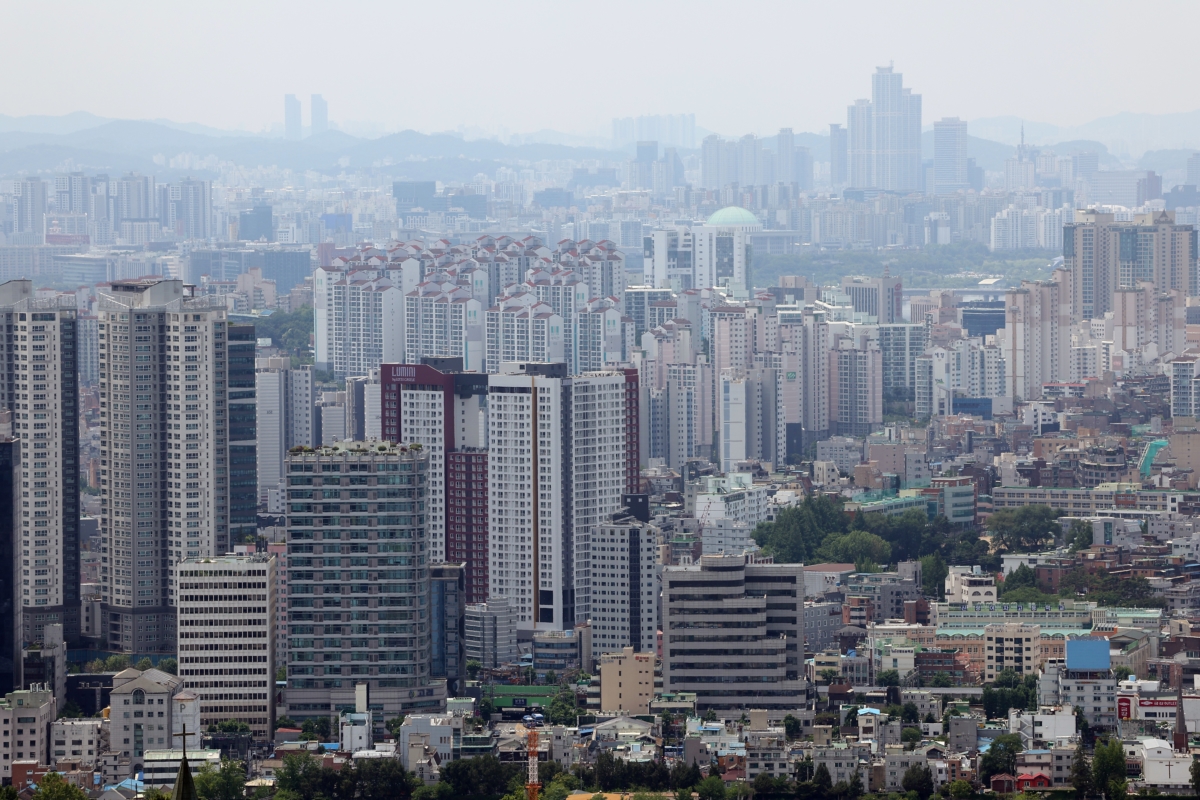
(226, 634)
(318, 110)
(838, 155)
(180, 424)
(292, 129)
(950, 156)
(885, 136)
(733, 633)
(490, 633)
(444, 410)
(358, 584)
(557, 467)
(627, 681)
(256, 224)
(194, 218)
(625, 584)
(40, 386)
(881, 298)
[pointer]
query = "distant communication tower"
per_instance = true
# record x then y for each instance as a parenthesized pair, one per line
(532, 787)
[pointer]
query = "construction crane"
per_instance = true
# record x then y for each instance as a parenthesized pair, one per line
(532, 787)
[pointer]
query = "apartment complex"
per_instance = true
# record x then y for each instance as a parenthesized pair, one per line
(178, 436)
(557, 467)
(286, 417)
(226, 629)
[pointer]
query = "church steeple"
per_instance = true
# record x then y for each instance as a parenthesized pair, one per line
(1180, 739)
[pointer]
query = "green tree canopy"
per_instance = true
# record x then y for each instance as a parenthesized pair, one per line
(853, 547)
(226, 782)
(1025, 529)
(1001, 757)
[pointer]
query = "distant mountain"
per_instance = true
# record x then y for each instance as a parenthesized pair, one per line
(1126, 135)
(120, 145)
(67, 123)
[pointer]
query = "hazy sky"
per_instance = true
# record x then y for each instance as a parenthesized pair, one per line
(739, 66)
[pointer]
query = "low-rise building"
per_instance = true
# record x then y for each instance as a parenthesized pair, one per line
(626, 681)
(78, 740)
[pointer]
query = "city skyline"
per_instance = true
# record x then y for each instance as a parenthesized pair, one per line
(800, 92)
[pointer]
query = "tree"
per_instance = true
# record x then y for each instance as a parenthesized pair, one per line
(1025, 529)
(711, 788)
(909, 713)
(71, 711)
(919, 779)
(1001, 757)
(473, 667)
(1081, 773)
(315, 729)
(144, 664)
(226, 782)
(828, 675)
(960, 789)
(168, 665)
(941, 680)
(933, 575)
(551, 678)
(53, 786)
(792, 727)
(1117, 789)
(889, 677)
(393, 726)
(1079, 535)
(821, 778)
(855, 787)
(1196, 777)
(562, 710)
(1020, 578)
(116, 663)
(1108, 763)
(854, 547)
(911, 737)
(684, 776)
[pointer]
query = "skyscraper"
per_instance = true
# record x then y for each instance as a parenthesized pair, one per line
(40, 387)
(194, 209)
(291, 117)
(319, 112)
(30, 212)
(838, 155)
(557, 467)
(950, 156)
(885, 136)
(178, 383)
(785, 161)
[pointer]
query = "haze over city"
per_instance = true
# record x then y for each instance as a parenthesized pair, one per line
(570, 401)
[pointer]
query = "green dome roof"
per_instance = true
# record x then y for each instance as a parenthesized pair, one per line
(733, 216)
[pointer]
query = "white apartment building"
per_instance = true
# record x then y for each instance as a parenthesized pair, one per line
(970, 585)
(521, 328)
(358, 310)
(733, 496)
(285, 417)
(442, 320)
(625, 585)
(177, 381)
(81, 740)
(26, 714)
(226, 629)
(39, 384)
(556, 470)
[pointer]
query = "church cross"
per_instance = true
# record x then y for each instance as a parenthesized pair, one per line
(185, 734)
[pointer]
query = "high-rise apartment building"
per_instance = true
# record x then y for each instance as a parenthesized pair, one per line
(318, 111)
(10, 548)
(856, 387)
(444, 409)
(285, 417)
(177, 449)
(625, 583)
(1104, 255)
(733, 633)
(950, 156)
(557, 467)
(40, 386)
(882, 298)
(1036, 338)
(194, 214)
(226, 629)
(292, 128)
(885, 136)
(358, 583)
